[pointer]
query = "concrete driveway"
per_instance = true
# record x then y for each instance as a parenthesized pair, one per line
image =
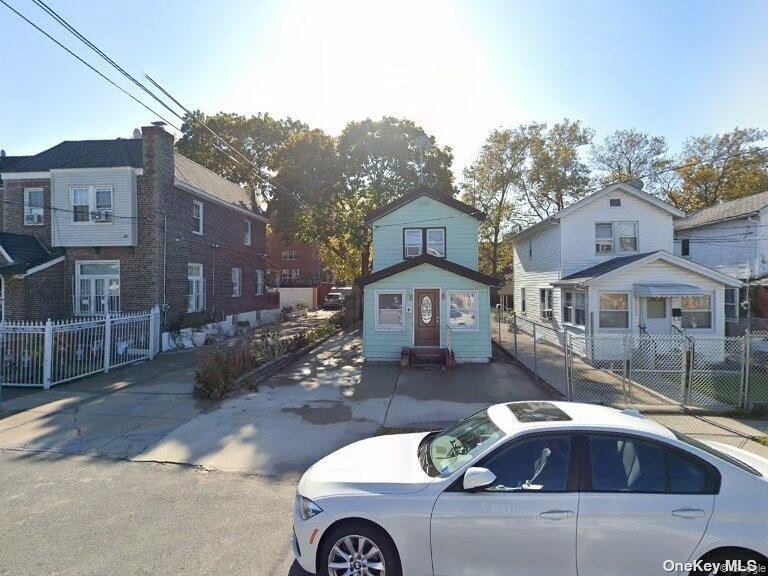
(330, 399)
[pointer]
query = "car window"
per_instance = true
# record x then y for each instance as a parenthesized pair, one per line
(624, 464)
(687, 476)
(539, 464)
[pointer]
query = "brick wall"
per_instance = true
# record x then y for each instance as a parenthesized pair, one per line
(308, 262)
(13, 209)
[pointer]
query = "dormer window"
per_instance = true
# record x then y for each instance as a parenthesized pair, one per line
(418, 241)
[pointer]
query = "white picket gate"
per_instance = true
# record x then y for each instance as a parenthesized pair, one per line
(42, 354)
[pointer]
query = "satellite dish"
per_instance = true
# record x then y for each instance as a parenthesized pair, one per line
(136, 133)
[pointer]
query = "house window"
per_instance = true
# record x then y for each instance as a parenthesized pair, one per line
(413, 242)
(627, 236)
(196, 296)
(91, 203)
(97, 287)
(33, 206)
(290, 255)
(247, 233)
(731, 304)
(604, 237)
(575, 308)
(389, 311)
(463, 312)
(685, 248)
(197, 217)
(545, 303)
(436, 242)
(237, 282)
(522, 300)
(697, 312)
(614, 310)
(259, 288)
(289, 273)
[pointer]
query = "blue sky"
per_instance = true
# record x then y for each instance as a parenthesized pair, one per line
(674, 68)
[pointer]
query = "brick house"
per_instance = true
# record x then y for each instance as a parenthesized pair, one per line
(120, 225)
(297, 270)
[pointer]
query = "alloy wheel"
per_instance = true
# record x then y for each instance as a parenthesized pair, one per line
(356, 556)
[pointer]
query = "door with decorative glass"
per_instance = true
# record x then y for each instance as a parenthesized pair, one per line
(426, 325)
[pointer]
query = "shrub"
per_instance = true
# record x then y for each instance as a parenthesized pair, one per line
(301, 305)
(218, 370)
(287, 309)
(337, 319)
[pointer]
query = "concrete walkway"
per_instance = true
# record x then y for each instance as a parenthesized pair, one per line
(330, 399)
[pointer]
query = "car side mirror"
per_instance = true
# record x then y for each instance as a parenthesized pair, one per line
(478, 478)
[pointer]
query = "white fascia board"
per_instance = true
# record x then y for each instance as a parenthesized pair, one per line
(5, 254)
(138, 171)
(39, 267)
(627, 189)
(208, 196)
(8, 176)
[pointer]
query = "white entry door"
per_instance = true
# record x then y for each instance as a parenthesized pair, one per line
(656, 315)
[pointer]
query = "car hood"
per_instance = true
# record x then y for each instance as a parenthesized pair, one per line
(380, 465)
(749, 458)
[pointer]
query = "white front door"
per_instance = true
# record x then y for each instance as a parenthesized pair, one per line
(655, 315)
(524, 524)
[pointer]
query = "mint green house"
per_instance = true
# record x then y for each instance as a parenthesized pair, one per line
(424, 295)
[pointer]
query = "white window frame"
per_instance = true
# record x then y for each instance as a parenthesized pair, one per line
(93, 277)
(196, 296)
(92, 205)
(237, 282)
(476, 327)
(710, 310)
(30, 210)
(572, 307)
(199, 219)
(617, 232)
(442, 243)
(290, 255)
(604, 240)
(734, 316)
(411, 245)
(628, 310)
(259, 287)
(389, 327)
(546, 302)
(247, 233)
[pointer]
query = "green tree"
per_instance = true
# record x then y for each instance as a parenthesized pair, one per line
(257, 137)
(627, 155)
(715, 169)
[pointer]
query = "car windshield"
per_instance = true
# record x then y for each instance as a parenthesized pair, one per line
(442, 453)
(715, 452)
(333, 296)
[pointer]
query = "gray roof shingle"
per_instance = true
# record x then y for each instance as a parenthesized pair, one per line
(84, 154)
(25, 251)
(725, 211)
(197, 176)
(602, 268)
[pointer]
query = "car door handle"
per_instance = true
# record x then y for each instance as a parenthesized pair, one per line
(689, 513)
(556, 514)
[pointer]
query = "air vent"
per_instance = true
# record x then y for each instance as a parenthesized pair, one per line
(615, 202)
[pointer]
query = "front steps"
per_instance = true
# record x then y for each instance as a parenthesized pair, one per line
(426, 357)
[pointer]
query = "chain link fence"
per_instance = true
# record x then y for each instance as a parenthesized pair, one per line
(640, 369)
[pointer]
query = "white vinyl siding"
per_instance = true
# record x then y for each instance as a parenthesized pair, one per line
(77, 195)
(537, 272)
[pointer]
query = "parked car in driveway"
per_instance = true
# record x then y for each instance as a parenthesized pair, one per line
(532, 488)
(334, 300)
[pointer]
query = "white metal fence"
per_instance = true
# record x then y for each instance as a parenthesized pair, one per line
(713, 372)
(47, 353)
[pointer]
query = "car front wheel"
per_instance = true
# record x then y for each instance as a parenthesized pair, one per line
(358, 549)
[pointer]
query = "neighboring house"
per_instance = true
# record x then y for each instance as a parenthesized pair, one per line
(605, 264)
(97, 226)
(424, 292)
(297, 270)
(733, 238)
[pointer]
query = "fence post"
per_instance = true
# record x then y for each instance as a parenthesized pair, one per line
(107, 342)
(535, 366)
(47, 354)
(688, 366)
(568, 381)
(745, 372)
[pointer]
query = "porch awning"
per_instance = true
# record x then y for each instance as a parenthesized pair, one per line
(651, 290)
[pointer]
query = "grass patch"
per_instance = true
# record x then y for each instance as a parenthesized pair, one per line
(761, 440)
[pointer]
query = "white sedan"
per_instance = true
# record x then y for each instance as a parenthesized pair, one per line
(533, 488)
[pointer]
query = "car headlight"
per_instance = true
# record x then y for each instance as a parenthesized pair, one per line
(306, 507)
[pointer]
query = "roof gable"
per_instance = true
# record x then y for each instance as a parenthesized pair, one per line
(446, 199)
(442, 263)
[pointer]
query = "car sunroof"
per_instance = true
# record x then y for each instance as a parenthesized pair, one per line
(528, 412)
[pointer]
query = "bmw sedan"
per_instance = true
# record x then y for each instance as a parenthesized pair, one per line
(544, 488)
